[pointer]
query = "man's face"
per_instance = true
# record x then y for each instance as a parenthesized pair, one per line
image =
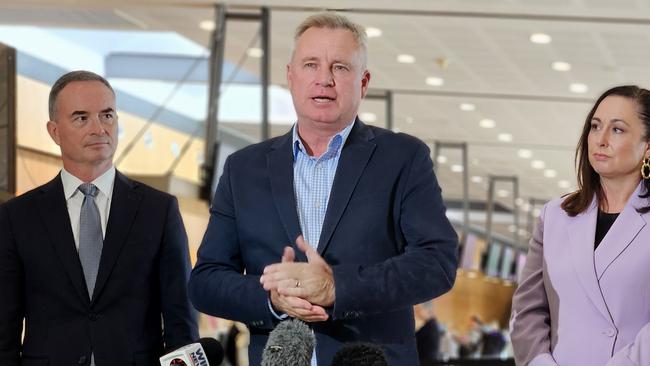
(85, 125)
(327, 78)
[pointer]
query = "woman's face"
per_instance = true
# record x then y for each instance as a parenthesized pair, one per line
(616, 142)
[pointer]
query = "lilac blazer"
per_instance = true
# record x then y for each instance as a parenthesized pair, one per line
(576, 306)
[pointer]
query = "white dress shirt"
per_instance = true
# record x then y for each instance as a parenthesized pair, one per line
(74, 198)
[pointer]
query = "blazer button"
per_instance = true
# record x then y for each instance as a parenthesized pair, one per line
(82, 360)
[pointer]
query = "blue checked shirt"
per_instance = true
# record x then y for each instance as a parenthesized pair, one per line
(312, 183)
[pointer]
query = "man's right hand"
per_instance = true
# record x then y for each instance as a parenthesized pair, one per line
(295, 306)
(298, 308)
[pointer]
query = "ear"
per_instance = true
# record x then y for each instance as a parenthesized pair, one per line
(365, 82)
(289, 76)
(53, 130)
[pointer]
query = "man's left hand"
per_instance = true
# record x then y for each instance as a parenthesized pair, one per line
(312, 281)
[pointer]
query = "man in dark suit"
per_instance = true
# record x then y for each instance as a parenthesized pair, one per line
(358, 209)
(91, 261)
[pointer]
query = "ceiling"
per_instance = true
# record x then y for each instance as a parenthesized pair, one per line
(480, 48)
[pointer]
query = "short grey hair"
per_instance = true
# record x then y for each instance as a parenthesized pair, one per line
(332, 20)
(79, 75)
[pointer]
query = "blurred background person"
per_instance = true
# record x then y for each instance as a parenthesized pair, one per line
(427, 333)
(583, 295)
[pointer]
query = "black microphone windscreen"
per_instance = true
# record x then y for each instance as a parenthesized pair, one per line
(360, 354)
(213, 350)
(291, 343)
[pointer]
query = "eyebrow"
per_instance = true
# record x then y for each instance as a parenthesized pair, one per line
(612, 121)
(81, 113)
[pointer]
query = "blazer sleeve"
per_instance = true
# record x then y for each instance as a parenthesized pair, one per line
(636, 353)
(179, 317)
(530, 324)
(218, 285)
(426, 266)
(12, 307)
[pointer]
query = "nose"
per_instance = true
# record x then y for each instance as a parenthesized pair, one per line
(96, 126)
(325, 77)
(603, 138)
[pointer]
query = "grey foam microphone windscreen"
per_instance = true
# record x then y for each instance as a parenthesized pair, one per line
(291, 343)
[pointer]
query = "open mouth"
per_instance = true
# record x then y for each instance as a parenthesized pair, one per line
(323, 99)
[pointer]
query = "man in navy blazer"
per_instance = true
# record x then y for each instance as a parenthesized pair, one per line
(336, 223)
(144, 265)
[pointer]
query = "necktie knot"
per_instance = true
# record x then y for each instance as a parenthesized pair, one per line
(88, 189)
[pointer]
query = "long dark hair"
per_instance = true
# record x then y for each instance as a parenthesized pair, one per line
(588, 179)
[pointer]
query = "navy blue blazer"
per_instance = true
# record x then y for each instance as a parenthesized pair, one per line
(142, 275)
(385, 234)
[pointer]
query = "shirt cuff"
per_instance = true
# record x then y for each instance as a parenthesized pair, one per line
(280, 316)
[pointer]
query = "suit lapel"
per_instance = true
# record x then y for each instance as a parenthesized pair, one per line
(626, 227)
(581, 240)
(124, 205)
(53, 210)
(354, 157)
(280, 167)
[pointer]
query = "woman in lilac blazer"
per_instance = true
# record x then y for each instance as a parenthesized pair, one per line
(584, 294)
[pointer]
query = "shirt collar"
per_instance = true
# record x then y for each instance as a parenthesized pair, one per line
(104, 182)
(343, 134)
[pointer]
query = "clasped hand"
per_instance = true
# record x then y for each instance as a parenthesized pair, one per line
(301, 290)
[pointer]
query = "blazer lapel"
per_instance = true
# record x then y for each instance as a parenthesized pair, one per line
(124, 205)
(626, 227)
(354, 157)
(581, 233)
(280, 167)
(53, 210)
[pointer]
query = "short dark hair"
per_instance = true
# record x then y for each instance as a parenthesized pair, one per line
(79, 75)
(588, 180)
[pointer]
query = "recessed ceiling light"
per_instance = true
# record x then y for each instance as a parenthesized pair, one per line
(207, 25)
(519, 201)
(512, 228)
(397, 130)
(434, 81)
(523, 232)
(561, 66)
(467, 107)
(504, 137)
(457, 168)
(477, 179)
(578, 88)
(537, 164)
(372, 32)
(525, 153)
(406, 59)
(441, 159)
(368, 117)
(564, 184)
(503, 193)
(540, 38)
(550, 173)
(525, 207)
(487, 123)
(255, 52)
(536, 212)
(409, 120)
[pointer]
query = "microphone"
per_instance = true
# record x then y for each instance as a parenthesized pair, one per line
(360, 354)
(206, 352)
(291, 343)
